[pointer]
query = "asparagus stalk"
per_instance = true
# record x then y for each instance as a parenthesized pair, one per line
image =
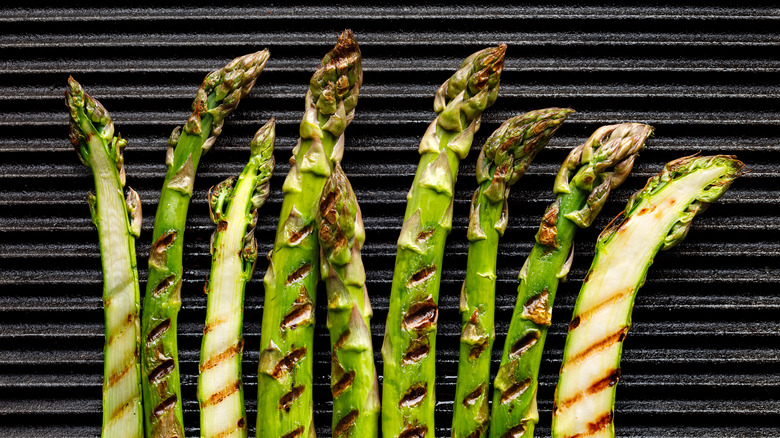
(217, 97)
(118, 221)
(656, 218)
(504, 159)
(601, 164)
(409, 346)
(285, 371)
(233, 206)
(353, 379)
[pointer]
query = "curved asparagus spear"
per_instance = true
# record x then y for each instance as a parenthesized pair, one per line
(353, 379)
(408, 397)
(217, 97)
(504, 159)
(656, 217)
(285, 370)
(118, 220)
(601, 164)
(233, 205)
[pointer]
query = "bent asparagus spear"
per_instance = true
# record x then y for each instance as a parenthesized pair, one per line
(353, 379)
(601, 164)
(504, 159)
(217, 97)
(408, 397)
(233, 206)
(118, 221)
(656, 218)
(285, 372)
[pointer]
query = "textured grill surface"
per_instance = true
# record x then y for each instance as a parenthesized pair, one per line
(702, 359)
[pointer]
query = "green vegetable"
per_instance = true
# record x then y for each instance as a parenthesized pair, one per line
(217, 97)
(409, 346)
(285, 370)
(656, 217)
(118, 221)
(353, 374)
(503, 161)
(233, 206)
(601, 164)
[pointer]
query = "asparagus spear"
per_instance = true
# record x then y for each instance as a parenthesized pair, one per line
(118, 220)
(285, 371)
(601, 164)
(656, 217)
(217, 97)
(233, 206)
(409, 346)
(504, 159)
(353, 379)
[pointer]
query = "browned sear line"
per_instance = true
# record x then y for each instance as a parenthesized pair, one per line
(343, 426)
(515, 432)
(296, 316)
(425, 234)
(295, 433)
(298, 274)
(472, 397)
(413, 396)
(416, 352)
(524, 344)
(414, 432)
(158, 331)
(341, 340)
(288, 362)
(222, 394)
(289, 398)
(477, 350)
(477, 433)
(241, 424)
(595, 426)
(611, 379)
(118, 376)
(515, 390)
(537, 309)
(574, 323)
(343, 384)
(164, 284)
(229, 352)
(421, 315)
(300, 235)
(601, 345)
(165, 241)
(164, 405)
(548, 231)
(162, 370)
(326, 208)
(421, 276)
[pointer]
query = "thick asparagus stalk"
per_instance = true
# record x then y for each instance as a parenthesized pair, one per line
(504, 159)
(408, 397)
(118, 220)
(353, 374)
(601, 164)
(233, 205)
(285, 371)
(217, 97)
(656, 217)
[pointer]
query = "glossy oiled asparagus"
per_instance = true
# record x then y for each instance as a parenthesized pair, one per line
(657, 217)
(504, 159)
(408, 397)
(217, 97)
(118, 220)
(286, 345)
(583, 184)
(233, 206)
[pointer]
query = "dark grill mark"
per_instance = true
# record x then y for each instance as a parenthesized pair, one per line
(222, 225)
(472, 397)
(222, 394)
(295, 433)
(164, 405)
(165, 241)
(413, 396)
(118, 376)
(164, 284)
(161, 371)
(298, 274)
(231, 351)
(421, 276)
(421, 315)
(477, 433)
(414, 432)
(515, 391)
(417, 351)
(297, 236)
(603, 344)
(343, 426)
(537, 309)
(515, 432)
(341, 340)
(158, 331)
(595, 426)
(609, 301)
(524, 344)
(548, 230)
(574, 323)
(288, 362)
(326, 208)
(477, 350)
(611, 379)
(343, 384)
(296, 316)
(425, 234)
(288, 399)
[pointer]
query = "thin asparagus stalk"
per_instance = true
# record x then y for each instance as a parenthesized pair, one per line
(287, 340)
(233, 206)
(353, 379)
(217, 97)
(408, 394)
(601, 164)
(657, 217)
(504, 159)
(118, 221)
